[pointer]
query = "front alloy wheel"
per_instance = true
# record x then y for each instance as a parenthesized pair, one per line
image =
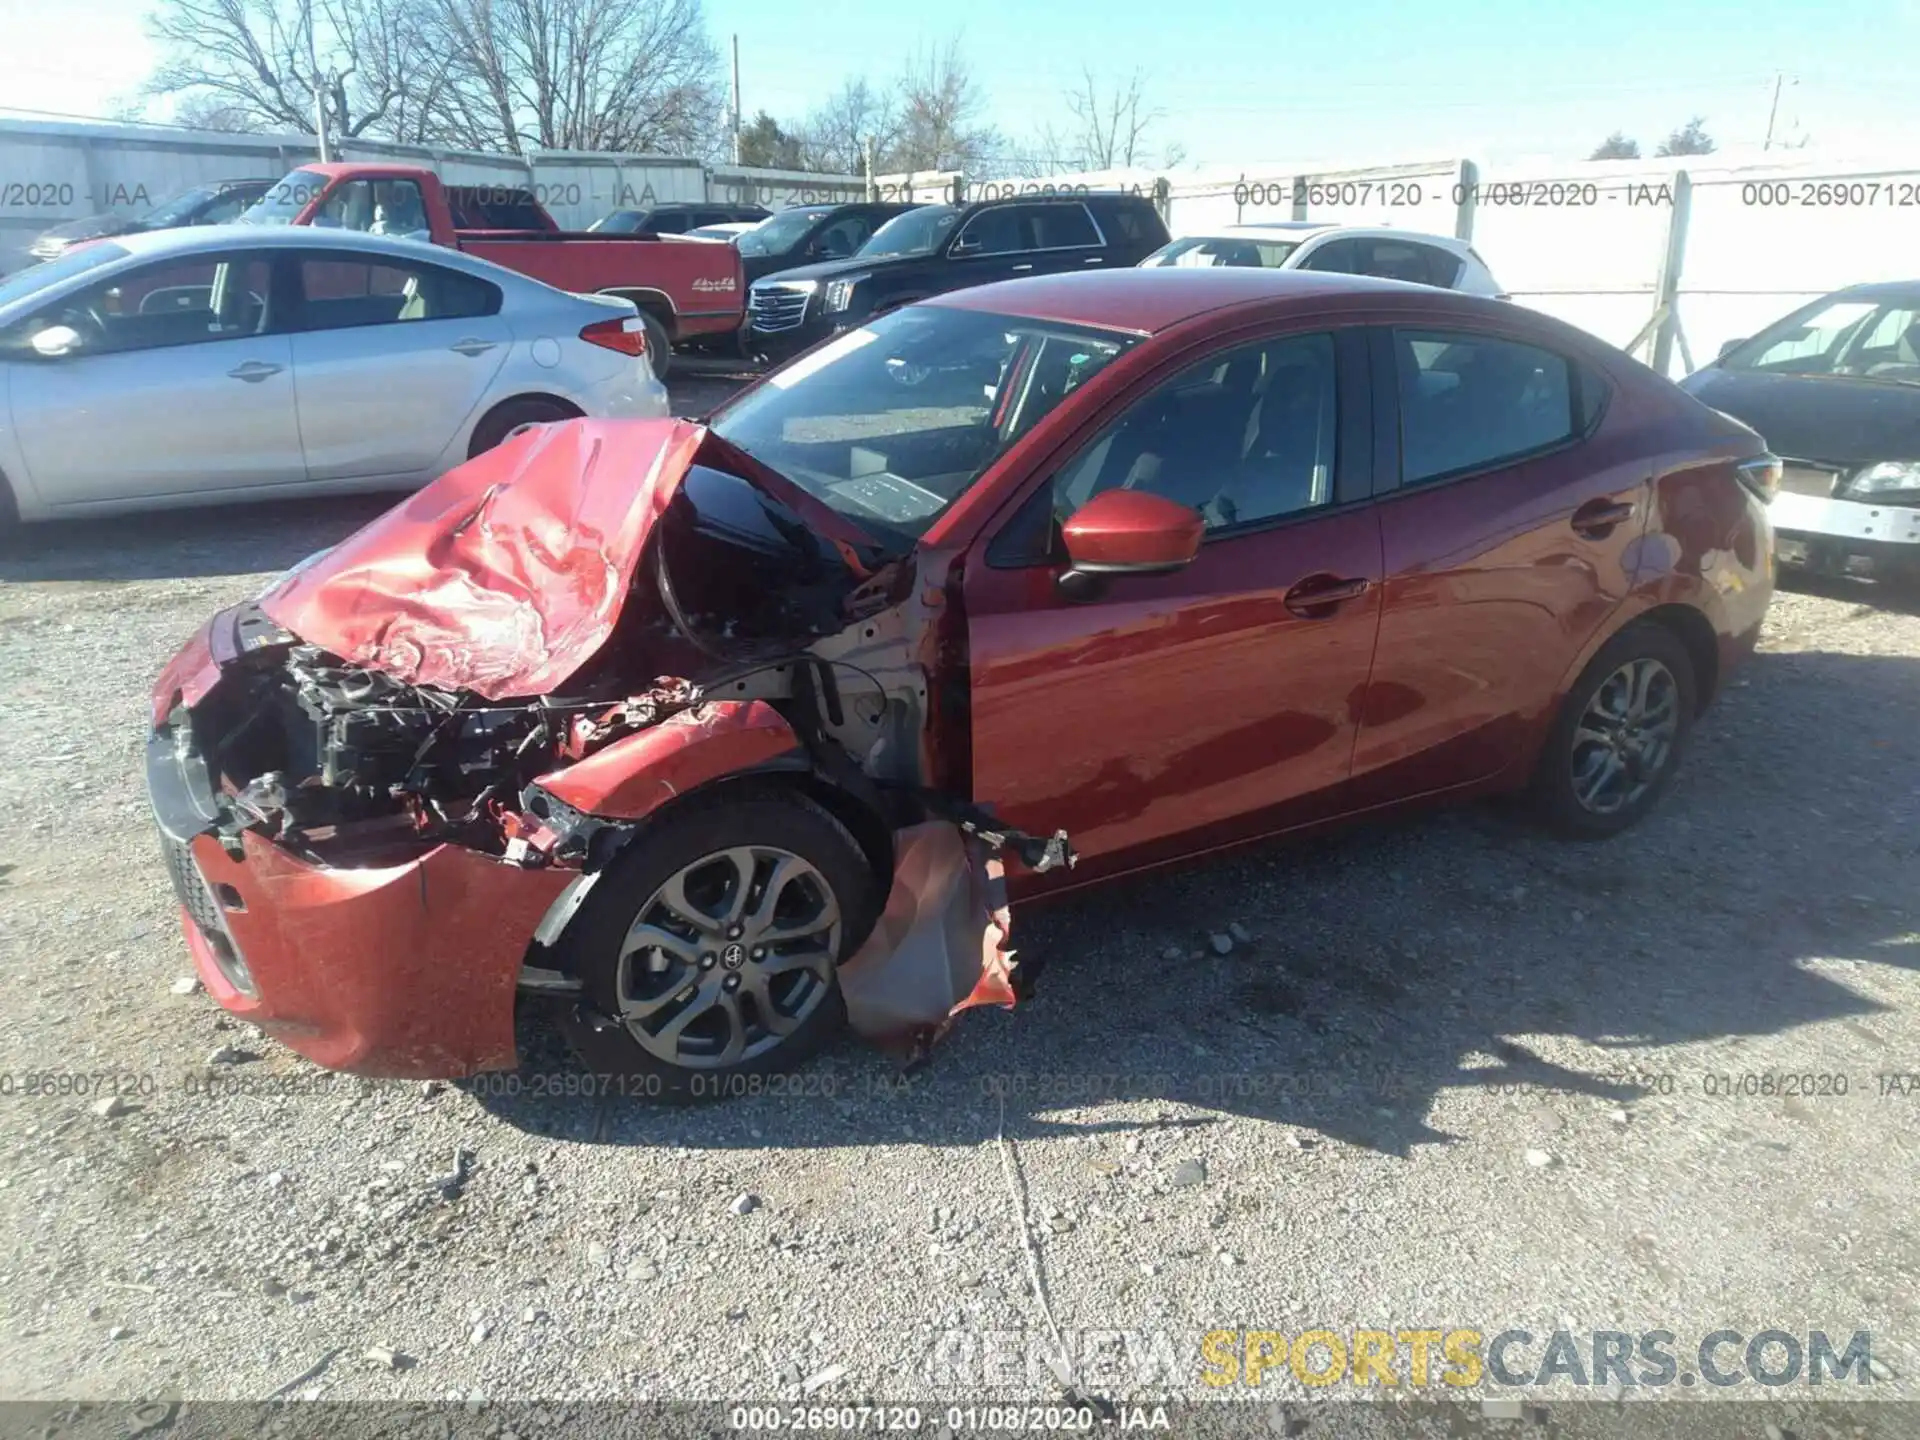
(708, 949)
(729, 957)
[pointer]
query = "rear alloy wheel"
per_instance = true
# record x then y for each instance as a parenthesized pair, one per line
(709, 950)
(1620, 734)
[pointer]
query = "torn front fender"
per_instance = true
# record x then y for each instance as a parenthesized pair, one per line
(634, 776)
(940, 946)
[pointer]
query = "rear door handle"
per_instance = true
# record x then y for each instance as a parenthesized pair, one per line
(1596, 519)
(254, 371)
(472, 347)
(1317, 596)
(1018, 268)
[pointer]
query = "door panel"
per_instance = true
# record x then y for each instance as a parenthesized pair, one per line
(1174, 713)
(1179, 712)
(1491, 592)
(384, 385)
(175, 387)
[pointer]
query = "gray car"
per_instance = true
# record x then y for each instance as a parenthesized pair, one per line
(192, 367)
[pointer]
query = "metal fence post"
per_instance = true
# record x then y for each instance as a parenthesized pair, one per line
(1300, 198)
(1465, 194)
(1672, 262)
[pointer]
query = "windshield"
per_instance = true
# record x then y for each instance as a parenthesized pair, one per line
(51, 272)
(284, 201)
(1224, 250)
(781, 233)
(918, 232)
(891, 423)
(180, 207)
(1863, 339)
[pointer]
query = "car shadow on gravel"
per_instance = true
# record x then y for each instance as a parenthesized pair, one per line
(185, 544)
(1893, 598)
(1389, 964)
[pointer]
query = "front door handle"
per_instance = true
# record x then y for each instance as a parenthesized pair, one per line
(254, 371)
(1018, 268)
(472, 347)
(1596, 519)
(1317, 596)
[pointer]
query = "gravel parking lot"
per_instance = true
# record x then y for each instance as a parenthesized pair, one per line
(1445, 1073)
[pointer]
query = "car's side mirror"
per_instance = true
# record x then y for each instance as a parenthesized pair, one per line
(56, 341)
(1731, 346)
(1127, 532)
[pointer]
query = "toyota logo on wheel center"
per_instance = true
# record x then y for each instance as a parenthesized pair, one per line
(734, 956)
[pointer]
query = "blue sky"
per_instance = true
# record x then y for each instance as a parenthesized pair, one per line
(1370, 80)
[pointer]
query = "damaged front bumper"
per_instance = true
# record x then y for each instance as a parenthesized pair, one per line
(404, 970)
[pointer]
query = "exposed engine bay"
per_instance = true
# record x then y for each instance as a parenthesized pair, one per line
(349, 765)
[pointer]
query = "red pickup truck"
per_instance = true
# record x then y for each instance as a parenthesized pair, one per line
(685, 289)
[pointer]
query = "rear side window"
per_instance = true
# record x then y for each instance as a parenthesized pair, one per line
(342, 292)
(1063, 227)
(1340, 257)
(1471, 402)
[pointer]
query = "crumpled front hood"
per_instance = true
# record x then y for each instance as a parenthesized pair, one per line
(505, 575)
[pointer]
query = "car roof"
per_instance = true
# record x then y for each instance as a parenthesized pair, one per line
(1882, 290)
(191, 239)
(1147, 301)
(1253, 230)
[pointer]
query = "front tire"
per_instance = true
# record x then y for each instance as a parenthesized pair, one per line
(709, 950)
(1619, 736)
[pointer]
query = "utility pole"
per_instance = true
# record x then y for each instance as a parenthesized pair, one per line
(736, 99)
(319, 87)
(1772, 111)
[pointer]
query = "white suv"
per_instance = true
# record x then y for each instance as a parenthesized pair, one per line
(1343, 249)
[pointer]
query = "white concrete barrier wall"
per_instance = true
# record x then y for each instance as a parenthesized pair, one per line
(55, 171)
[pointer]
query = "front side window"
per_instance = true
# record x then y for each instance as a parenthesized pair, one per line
(341, 292)
(993, 232)
(1242, 437)
(1470, 402)
(891, 423)
(189, 301)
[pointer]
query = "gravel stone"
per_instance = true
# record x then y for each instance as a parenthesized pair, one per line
(110, 1107)
(1222, 944)
(1188, 1173)
(744, 1204)
(186, 985)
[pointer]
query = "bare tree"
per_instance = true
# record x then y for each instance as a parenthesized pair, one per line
(940, 115)
(1110, 132)
(249, 64)
(575, 74)
(834, 137)
(494, 75)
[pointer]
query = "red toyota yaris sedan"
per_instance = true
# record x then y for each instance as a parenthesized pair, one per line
(718, 736)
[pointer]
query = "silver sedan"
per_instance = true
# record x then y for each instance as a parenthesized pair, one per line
(194, 367)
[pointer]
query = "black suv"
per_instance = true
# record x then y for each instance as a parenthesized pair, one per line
(937, 248)
(810, 232)
(676, 219)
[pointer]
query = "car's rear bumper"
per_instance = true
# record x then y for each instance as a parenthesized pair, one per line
(397, 970)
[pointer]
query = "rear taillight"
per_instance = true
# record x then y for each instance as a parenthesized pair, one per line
(1761, 475)
(627, 334)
